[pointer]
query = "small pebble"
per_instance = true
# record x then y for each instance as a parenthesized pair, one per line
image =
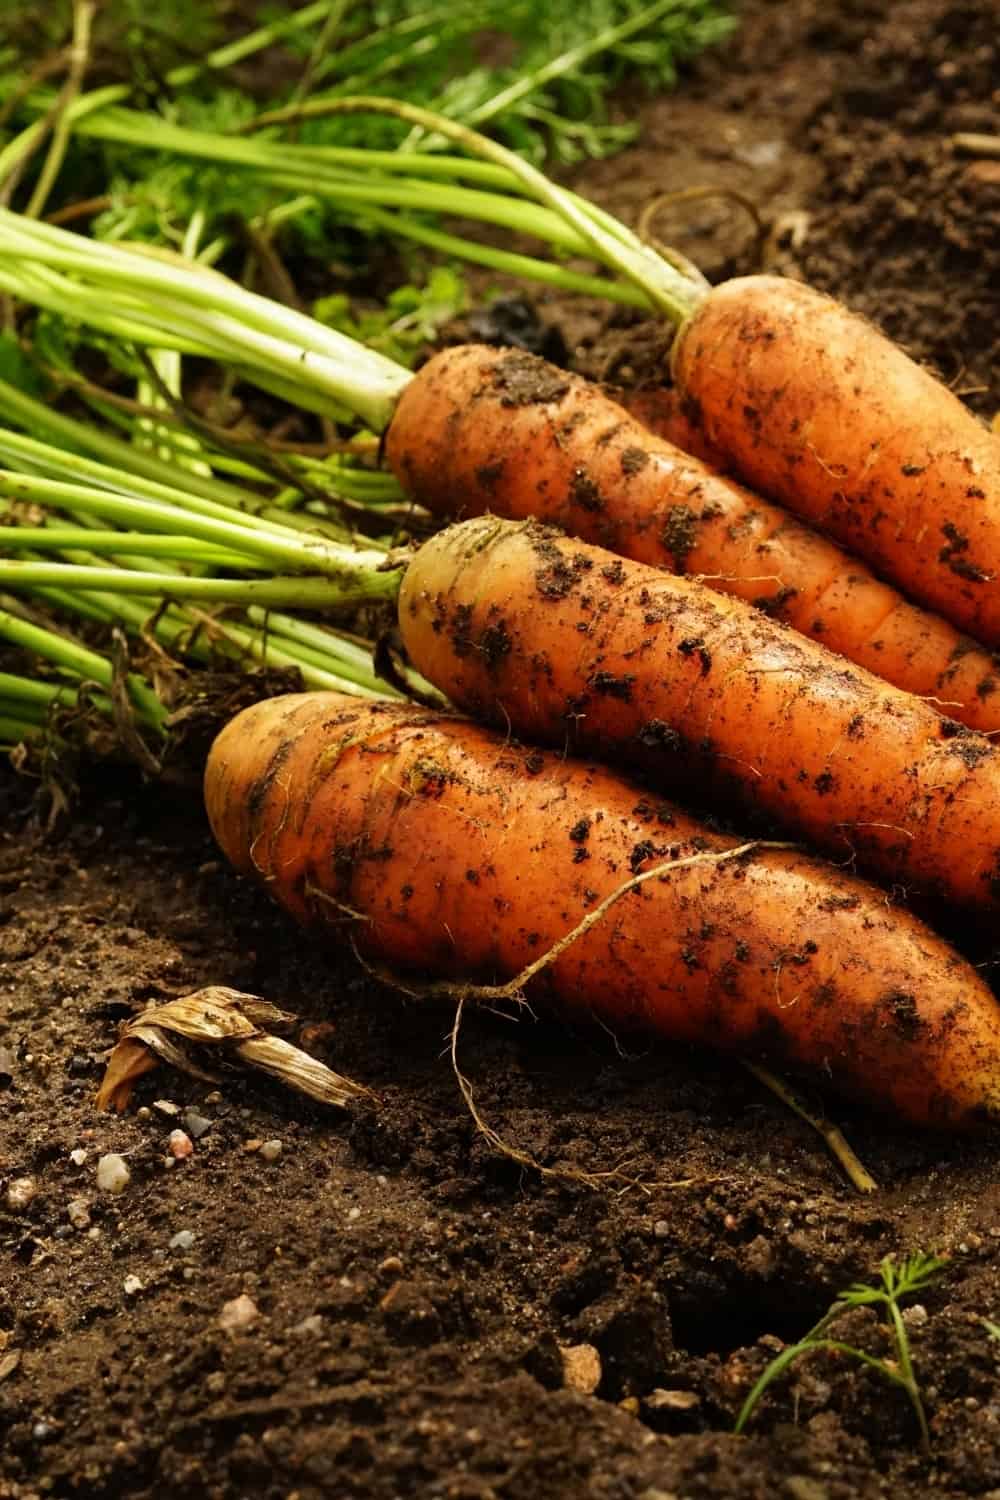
(308, 1326)
(113, 1175)
(214, 1097)
(166, 1107)
(661, 1400)
(132, 1285)
(915, 1315)
(179, 1145)
(392, 1266)
(78, 1157)
(581, 1367)
(144, 1113)
(196, 1124)
(182, 1240)
(20, 1192)
(237, 1314)
(253, 1144)
(354, 1213)
(78, 1212)
(661, 1229)
(270, 1150)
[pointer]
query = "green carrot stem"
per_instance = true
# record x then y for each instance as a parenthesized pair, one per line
(357, 586)
(14, 730)
(270, 329)
(669, 290)
(568, 61)
(292, 550)
(245, 46)
(19, 407)
(508, 262)
(58, 538)
(131, 128)
(26, 691)
(79, 57)
(72, 657)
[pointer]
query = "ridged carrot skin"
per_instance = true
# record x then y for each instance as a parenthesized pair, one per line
(661, 409)
(483, 429)
(817, 409)
(566, 644)
(460, 853)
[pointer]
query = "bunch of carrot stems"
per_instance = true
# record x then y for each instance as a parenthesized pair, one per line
(154, 547)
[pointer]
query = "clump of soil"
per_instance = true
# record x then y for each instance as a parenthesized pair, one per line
(406, 1291)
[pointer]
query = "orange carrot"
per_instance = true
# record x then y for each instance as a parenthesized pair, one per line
(487, 429)
(660, 408)
(816, 408)
(446, 849)
(567, 644)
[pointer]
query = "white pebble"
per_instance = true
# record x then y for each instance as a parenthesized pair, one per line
(179, 1145)
(182, 1240)
(132, 1285)
(78, 1157)
(78, 1212)
(20, 1193)
(196, 1124)
(113, 1175)
(270, 1150)
(354, 1213)
(308, 1327)
(166, 1107)
(237, 1314)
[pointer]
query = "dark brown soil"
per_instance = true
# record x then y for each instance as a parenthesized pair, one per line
(412, 1287)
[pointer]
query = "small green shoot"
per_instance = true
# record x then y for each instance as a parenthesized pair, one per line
(897, 1281)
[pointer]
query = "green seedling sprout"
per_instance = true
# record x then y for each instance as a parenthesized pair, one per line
(896, 1282)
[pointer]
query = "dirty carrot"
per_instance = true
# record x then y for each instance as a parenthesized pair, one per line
(443, 848)
(808, 402)
(567, 644)
(818, 409)
(482, 429)
(660, 408)
(711, 527)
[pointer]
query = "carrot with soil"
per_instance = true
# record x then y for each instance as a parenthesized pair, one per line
(805, 400)
(458, 436)
(444, 848)
(567, 644)
(482, 429)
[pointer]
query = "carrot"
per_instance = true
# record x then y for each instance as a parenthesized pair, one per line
(487, 429)
(660, 408)
(567, 644)
(817, 409)
(449, 850)
(807, 402)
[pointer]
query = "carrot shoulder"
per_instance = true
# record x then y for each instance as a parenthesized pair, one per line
(485, 429)
(570, 645)
(446, 849)
(816, 408)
